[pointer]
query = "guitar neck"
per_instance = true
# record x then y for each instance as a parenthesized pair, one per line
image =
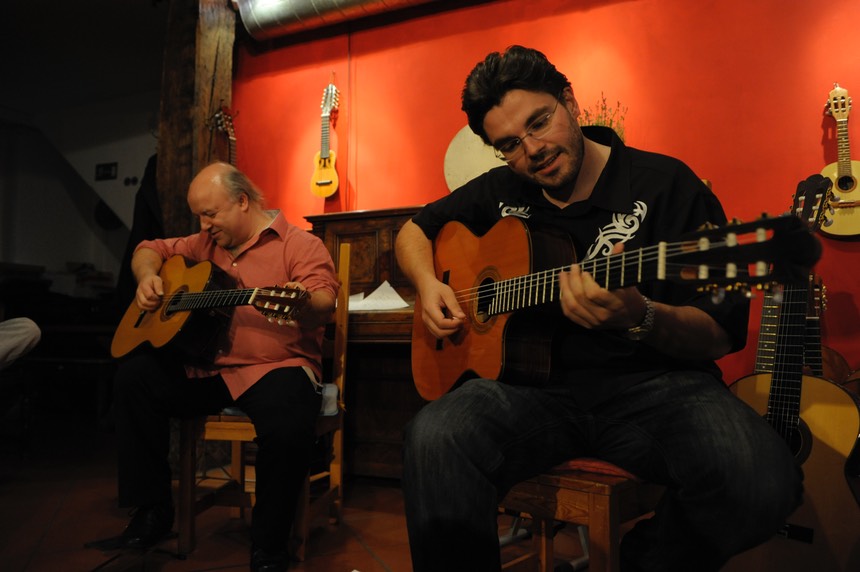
(188, 301)
(231, 150)
(324, 145)
(783, 409)
(768, 332)
(766, 349)
(843, 148)
(813, 354)
(616, 271)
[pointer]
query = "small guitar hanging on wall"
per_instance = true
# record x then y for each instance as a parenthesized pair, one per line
(845, 221)
(222, 120)
(324, 181)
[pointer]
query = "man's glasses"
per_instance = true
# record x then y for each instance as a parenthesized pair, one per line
(511, 149)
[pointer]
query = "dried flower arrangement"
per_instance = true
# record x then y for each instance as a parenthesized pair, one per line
(603, 115)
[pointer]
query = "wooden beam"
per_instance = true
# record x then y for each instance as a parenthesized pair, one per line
(196, 89)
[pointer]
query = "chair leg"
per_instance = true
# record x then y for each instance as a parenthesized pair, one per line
(187, 485)
(542, 540)
(301, 526)
(237, 473)
(603, 534)
(515, 533)
(581, 562)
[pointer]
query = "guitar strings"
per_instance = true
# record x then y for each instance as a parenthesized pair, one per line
(547, 280)
(783, 406)
(194, 300)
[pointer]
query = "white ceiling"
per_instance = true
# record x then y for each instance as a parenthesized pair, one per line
(59, 53)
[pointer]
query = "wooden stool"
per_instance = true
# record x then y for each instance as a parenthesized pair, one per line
(585, 492)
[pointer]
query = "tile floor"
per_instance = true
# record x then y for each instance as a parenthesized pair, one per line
(58, 492)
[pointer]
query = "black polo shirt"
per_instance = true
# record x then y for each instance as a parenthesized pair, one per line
(640, 199)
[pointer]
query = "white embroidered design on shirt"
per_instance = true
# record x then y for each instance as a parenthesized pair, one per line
(520, 212)
(622, 228)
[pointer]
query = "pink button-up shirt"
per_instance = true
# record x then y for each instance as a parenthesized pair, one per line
(282, 253)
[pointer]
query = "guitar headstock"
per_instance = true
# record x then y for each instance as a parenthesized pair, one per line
(280, 305)
(330, 100)
(811, 201)
(838, 104)
(222, 120)
(741, 256)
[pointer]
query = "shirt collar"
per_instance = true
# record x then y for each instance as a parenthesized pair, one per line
(612, 191)
(278, 225)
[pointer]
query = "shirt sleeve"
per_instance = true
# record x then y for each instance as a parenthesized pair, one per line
(188, 246)
(729, 309)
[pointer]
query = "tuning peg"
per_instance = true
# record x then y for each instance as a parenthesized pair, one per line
(778, 291)
(718, 295)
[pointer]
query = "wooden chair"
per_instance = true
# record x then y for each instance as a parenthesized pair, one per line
(323, 490)
(585, 492)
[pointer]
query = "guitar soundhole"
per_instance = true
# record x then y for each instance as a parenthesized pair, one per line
(800, 442)
(174, 303)
(846, 183)
(486, 295)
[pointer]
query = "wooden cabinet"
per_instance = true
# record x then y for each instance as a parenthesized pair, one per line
(380, 395)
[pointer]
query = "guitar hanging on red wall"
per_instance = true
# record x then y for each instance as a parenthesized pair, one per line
(222, 120)
(324, 180)
(846, 196)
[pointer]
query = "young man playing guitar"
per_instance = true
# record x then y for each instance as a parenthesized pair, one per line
(269, 371)
(631, 376)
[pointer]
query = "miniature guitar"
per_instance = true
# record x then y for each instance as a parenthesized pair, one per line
(846, 197)
(324, 181)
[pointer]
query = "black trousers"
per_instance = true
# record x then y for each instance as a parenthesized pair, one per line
(150, 388)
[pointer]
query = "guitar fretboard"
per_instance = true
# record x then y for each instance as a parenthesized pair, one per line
(612, 272)
(843, 148)
(187, 301)
(783, 407)
(324, 145)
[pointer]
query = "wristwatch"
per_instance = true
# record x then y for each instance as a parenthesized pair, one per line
(641, 331)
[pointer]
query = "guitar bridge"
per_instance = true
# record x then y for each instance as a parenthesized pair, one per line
(796, 532)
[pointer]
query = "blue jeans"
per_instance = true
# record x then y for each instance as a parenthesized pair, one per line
(731, 479)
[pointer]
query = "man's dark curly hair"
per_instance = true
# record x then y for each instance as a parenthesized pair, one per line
(518, 68)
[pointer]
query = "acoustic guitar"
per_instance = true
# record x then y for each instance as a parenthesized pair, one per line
(324, 181)
(192, 312)
(846, 198)
(503, 278)
(820, 422)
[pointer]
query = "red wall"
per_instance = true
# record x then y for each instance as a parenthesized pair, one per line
(734, 88)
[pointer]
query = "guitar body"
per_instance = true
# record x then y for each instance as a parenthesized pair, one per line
(194, 333)
(846, 219)
(511, 347)
(324, 181)
(828, 452)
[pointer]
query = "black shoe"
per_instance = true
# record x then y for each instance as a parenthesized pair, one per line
(149, 526)
(262, 561)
